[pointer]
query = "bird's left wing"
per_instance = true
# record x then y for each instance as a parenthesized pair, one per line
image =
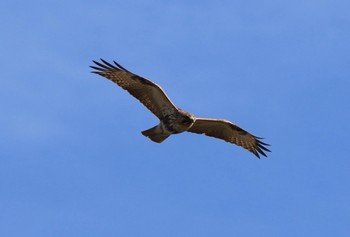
(225, 130)
(147, 92)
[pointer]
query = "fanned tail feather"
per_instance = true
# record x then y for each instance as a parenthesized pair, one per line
(155, 134)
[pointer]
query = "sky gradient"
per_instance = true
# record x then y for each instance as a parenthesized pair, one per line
(74, 163)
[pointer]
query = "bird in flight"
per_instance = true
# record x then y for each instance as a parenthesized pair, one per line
(174, 120)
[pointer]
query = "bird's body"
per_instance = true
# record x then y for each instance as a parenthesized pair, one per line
(172, 119)
(178, 122)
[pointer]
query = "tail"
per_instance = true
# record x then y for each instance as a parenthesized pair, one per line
(155, 134)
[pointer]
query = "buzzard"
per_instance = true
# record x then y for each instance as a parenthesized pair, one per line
(172, 119)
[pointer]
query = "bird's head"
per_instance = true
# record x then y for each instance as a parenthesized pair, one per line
(187, 120)
(182, 121)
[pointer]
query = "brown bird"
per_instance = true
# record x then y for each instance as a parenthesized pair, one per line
(172, 119)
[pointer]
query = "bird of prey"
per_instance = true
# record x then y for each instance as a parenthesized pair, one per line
(172, 119)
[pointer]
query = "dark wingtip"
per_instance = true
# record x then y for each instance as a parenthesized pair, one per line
(94, 67)
(107, 66)
(257, 154)
(261, 138)
(120, 66)
(261, 151)
(101, 67)
(260, 146)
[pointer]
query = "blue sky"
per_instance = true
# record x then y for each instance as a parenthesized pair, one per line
(73, 160)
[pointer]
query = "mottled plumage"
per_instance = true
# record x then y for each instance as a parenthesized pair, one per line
(172, 119)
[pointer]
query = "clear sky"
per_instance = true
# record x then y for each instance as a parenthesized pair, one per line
(74, 163)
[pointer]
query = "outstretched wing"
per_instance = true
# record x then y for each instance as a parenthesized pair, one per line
(223, 129)
(148, 93)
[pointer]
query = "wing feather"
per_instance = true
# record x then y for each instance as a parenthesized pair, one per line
(225, 130)
(147, 92)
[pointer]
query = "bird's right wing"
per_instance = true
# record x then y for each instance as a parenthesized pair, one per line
(225, 130)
